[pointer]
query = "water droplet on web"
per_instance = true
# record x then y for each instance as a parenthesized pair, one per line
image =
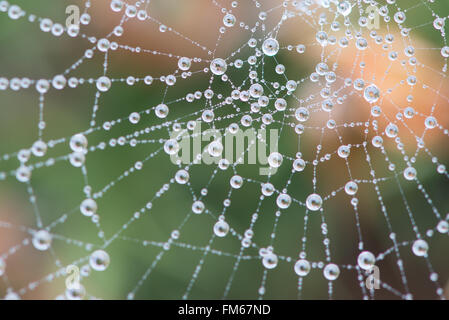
(215, 148)
(170, 80)
(103, 84)
(302, 267)
(420, 248)
(42, 240)
(331, 272)
(236, 182)
(430, 122)
(366, 260)
(300, 48)
(223, 164)
(88, 207)
(76, 293)
(229, 20)
(275, 159)
(78, 143)
(39, 148)
(299, 165)
(371, 93)
(410, 173)
(171, 147)
(344, 151)
(103, 45)
(218, 66)
(270, 261)
(291, 85)
(399, 17)
(184, 63)
(99, 260)
(438, 23)
(391, 130)
(198, 207)
(409, 112)
(42, 86)
(161, 111)
(267, 189)
(116, 5)
(377, 141)
(59, 82)
(283, 201)
(77, 159)
(134, 117)
(221, 228)
(256, 90)
(280, 104)
(351, 188)
(208, 116)
(322, 38)
(302, 114)
(248, 89)
(314, 202)
(12, 296)
(344, 8)
(23, 173)
(15, 12)
(443, 227)
(182, 176)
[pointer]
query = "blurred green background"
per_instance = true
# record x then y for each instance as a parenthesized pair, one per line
(25, 51)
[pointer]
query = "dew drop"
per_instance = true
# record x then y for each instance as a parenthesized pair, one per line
(314, 202)
(371, 93)
(103, 84)
(420, 248)
(182, 176)
(302, 267)
(218, 66)
(283, 201)
(99, 260)
(366, 260)
(270, 261)
(270, 47)
(75, 293)
(221, 228)
(275, 159)
(351, 188)
(331, 272)
(198, 207)
(88, 207)
(42, 240)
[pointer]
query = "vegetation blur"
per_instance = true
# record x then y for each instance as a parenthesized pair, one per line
(25, 51)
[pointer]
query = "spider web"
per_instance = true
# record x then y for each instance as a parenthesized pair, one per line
(88, 119)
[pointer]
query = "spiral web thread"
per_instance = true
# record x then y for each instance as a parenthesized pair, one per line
(308, 94)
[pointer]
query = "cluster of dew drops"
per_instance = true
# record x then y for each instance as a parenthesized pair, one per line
(78, 143)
